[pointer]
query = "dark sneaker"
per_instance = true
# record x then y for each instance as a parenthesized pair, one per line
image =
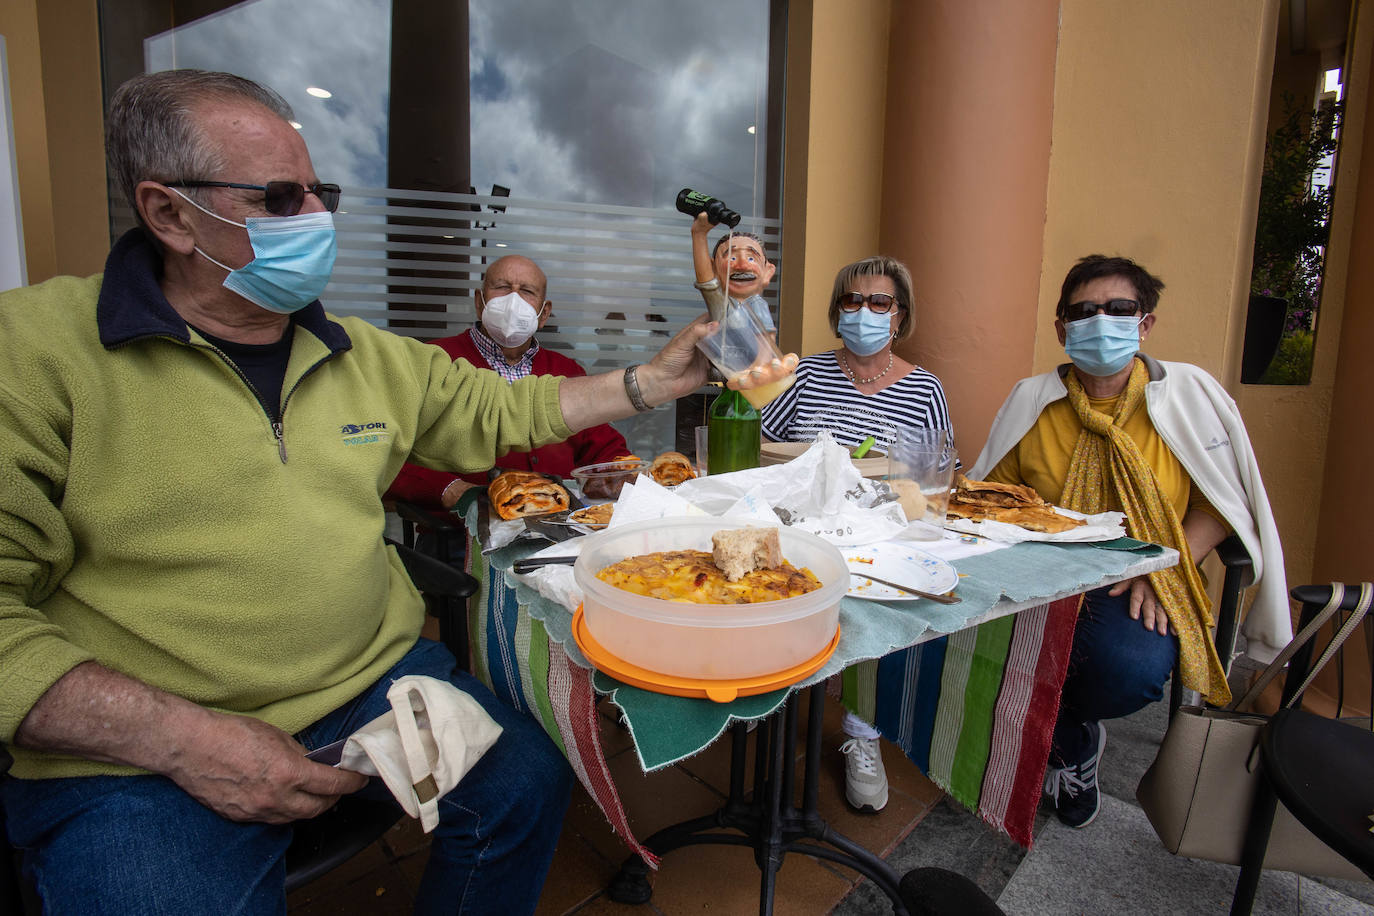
(1073, 789)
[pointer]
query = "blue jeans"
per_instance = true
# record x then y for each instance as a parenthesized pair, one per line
(139, 844)
(1116, 667)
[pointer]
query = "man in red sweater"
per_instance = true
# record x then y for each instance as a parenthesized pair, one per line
(510, 308)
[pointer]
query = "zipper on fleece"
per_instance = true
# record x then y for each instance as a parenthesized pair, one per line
(277, 425)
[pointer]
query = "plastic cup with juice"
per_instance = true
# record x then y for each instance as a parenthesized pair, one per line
(746, 355)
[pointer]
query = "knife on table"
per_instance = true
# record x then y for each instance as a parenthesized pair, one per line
(942, 599)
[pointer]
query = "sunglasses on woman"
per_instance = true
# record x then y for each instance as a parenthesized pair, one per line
(878, 303)
(283, 198)
(1117, 308)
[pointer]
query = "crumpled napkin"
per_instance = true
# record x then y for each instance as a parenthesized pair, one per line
(429, 740)
(819, 491)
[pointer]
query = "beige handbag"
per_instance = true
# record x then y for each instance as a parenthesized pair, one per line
(1199, 791)
(433, 735)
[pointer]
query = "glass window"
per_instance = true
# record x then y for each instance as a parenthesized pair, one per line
(558, 130)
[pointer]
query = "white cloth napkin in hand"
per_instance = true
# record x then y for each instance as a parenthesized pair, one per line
(433, 735)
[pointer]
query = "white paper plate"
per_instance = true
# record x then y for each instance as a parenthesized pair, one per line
(900, 563)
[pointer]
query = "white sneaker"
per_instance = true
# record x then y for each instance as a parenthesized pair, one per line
(865, 780)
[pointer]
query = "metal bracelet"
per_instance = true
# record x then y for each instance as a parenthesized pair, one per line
(707, 285)
(632, 389)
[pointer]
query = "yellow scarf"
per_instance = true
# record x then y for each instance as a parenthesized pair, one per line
(1105, 456)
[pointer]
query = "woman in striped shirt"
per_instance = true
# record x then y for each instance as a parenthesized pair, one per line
(862, 389)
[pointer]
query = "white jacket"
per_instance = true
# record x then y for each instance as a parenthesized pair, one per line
(1199, 422)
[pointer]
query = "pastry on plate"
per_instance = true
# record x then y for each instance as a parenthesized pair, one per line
(1013, 504)
(597, 516)
(516, 494)
(671, 469)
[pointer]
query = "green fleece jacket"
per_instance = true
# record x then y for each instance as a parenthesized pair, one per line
(153, 519)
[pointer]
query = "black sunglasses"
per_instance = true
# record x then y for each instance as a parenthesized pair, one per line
(878, 303)
(1117, 308)
(284, 198)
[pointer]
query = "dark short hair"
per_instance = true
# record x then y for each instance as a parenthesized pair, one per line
(152, 133)
(748, 235)
(1095, 266)
(876, 266)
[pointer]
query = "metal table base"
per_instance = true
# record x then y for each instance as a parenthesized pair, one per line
(769, 821)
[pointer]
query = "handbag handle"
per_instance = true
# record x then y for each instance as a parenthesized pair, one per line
(1305, 636)
(417, 760)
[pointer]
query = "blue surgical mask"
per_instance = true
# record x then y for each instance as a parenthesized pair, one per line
(1102, 345)
(293, 257)
(865, 333)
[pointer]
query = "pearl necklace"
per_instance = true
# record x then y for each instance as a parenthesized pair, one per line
(844, 364)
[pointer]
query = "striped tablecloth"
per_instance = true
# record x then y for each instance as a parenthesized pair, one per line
(973, 709)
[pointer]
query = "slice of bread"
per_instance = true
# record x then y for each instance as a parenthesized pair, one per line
(739, 551)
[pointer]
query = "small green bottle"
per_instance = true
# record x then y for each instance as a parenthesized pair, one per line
(734, 432)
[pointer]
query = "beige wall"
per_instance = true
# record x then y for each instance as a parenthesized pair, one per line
(1155, 156)
(1344, 545)
(969, 114)
(1343, 548)
(1290, 424)
(54, 63)
(832, 194)
(19, 25)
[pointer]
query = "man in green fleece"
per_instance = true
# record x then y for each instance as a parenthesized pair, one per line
(193, 584)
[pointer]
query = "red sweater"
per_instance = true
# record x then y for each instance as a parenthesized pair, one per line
(598, 443)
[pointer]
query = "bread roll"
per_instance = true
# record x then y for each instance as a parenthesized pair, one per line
(519, 493)
(739, 551)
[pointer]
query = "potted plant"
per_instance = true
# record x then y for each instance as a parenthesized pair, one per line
(1290, 238)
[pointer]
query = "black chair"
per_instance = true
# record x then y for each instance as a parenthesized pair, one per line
(443, 536)
(1237, 563)
(1319, 768)
(325, 842)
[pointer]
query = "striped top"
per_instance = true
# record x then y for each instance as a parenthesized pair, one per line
(824, 398)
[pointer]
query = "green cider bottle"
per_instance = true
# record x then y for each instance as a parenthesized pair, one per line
(734, 432)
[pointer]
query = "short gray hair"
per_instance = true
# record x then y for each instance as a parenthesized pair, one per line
(152, 134)
(876, 266)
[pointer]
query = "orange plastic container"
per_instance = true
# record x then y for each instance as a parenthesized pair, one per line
(709, 641)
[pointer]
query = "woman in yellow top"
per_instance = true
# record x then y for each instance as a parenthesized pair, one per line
(1164, 444)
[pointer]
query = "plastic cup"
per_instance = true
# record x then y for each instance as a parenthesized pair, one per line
(746, 355)
(921, 474)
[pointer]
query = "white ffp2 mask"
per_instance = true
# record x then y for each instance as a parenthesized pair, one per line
(510, 320)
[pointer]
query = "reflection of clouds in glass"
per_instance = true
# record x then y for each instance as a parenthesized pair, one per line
(636, 99)
(599, 100)
(347, 133)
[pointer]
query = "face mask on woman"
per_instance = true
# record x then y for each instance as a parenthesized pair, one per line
(293, 257)
(865, 333)
(1103, 344)
(510, 320)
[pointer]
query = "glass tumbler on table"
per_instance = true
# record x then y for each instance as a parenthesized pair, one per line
(921, 473)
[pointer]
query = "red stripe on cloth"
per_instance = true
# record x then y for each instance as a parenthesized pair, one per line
(1053, 664)
(1009, 718)
(582, 739)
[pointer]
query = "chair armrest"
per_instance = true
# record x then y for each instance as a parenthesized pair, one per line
(1316, 596)
(434, 577)
(430, 518)
(1231, 552)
